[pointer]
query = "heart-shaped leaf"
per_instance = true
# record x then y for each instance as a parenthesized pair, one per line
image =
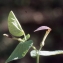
(14, 26)
(33, 53)
(20, 51)
(42, 28)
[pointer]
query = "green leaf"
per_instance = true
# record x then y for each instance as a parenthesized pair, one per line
(14, 26)
(20, 51)
(33, 53)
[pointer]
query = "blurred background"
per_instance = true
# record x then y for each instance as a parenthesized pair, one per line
(33, 14)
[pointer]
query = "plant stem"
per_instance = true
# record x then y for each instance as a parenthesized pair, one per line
(43, 41)
(19, 39)
(24, 35)
(37, 61)
(34, 47)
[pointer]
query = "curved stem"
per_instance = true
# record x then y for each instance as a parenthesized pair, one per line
(44, 38)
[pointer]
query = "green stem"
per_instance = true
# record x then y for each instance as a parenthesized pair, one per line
(34, 47)
(24, 35)
(19, 39)
(37, 61)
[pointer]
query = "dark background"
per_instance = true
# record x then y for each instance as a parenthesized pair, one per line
(33, 14)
